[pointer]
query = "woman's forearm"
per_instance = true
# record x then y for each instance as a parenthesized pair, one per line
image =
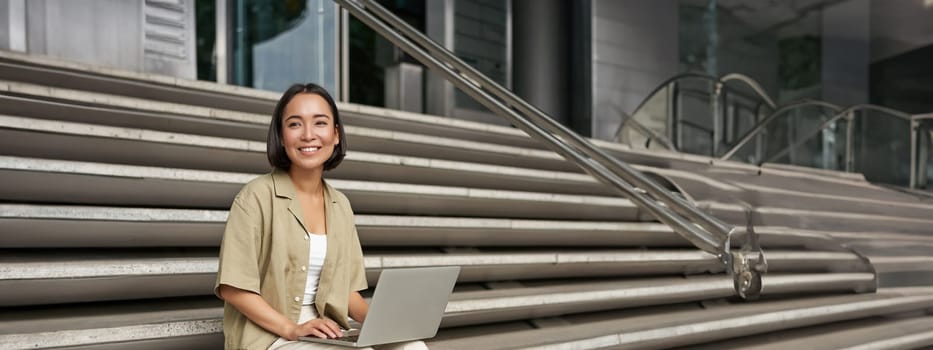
(358, 307)
(259, 311)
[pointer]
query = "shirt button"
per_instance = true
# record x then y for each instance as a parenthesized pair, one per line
(297, 299)
(304, 268)
(306, 237)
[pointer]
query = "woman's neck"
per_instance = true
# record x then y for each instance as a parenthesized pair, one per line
(306, 181)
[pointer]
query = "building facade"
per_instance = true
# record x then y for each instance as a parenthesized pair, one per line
(587, 63)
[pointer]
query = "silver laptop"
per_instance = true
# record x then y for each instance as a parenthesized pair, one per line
(407, 305)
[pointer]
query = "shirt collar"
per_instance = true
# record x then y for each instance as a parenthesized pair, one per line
(284, 187)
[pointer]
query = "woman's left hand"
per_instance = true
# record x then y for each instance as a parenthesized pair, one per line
(319, 327)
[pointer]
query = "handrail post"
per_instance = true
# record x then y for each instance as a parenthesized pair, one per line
(923, 142)
(791, 134)
(914, 139)
(673, 117)
(759, 137)
(850, 141)
(716, 107)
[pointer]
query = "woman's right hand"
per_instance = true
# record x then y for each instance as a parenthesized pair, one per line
(318, 327)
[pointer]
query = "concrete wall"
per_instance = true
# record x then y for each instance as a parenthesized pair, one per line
(634, 49)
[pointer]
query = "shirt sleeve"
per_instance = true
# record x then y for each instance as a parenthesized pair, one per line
(358, 272)
(239, 249)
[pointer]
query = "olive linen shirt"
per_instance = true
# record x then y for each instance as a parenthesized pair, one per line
(265, 250)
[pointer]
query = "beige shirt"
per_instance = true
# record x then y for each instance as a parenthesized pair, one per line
(265, 250)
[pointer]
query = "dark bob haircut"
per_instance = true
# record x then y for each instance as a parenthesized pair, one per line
(274, 149)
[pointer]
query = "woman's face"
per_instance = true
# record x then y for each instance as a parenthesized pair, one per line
(309, 133)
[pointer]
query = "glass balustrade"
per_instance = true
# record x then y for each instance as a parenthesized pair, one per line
(732, 118)
(694, 113)
(786, 127)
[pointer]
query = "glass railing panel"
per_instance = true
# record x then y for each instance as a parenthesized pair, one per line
(741, 115)
(695, 129)
(794, 126)
(882, 147)
(648, 122)
(824, 150)
(925, 155)
(695, 114)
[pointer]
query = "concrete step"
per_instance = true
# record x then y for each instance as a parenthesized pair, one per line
(64, 226)
(54, 181)
(77, 106)
(787, 193)
(774, 180)
(77, 141)
(559, 298)
(56, 226)
(185, 323)
(876, 333)
(673, 326)
(30, 277)
(86, 142)
(822, 220)
(195, 321)
(47, 79)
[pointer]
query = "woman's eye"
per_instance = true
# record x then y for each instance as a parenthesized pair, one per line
(321, 123)
(293, 125)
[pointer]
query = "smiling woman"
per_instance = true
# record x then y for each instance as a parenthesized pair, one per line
(290, 261)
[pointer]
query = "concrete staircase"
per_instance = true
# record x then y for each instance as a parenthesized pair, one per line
(114, 188)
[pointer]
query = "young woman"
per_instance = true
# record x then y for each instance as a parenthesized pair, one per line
(290, 260)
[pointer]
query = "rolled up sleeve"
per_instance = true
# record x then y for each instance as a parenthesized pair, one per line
(239, 249)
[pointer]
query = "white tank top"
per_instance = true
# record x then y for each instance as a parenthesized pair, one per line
(318, 251)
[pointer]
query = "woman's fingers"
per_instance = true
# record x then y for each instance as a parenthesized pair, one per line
(334, 327)
(318, 333)
(322, 328)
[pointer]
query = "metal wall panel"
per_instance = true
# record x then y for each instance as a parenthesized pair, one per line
(168, 38)
(13, 25)
(155, 36)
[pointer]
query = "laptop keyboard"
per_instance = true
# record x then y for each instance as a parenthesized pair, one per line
(349, 338)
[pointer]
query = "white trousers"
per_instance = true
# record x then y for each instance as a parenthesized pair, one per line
(309, 313)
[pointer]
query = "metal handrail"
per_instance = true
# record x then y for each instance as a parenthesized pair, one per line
(701, 229)
(751, 83)
(761, 125)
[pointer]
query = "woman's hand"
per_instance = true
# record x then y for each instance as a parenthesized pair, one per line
(319, 327)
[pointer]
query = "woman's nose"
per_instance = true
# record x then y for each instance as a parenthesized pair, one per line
(307, 134)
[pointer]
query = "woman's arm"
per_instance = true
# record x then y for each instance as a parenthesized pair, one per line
(358, 307)
(260, 312)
